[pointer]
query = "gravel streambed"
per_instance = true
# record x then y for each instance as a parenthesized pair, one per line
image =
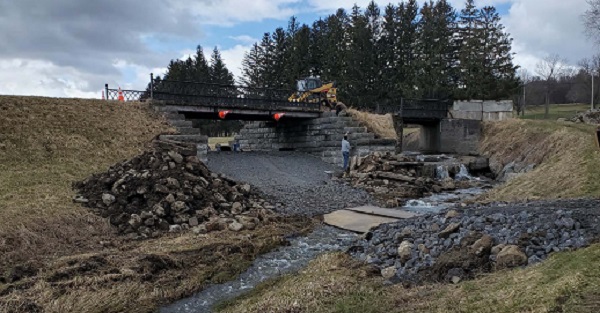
(298, 180)
(459, 243)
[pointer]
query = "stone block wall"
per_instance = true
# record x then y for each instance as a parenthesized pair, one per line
(460, 136)
(320, 137)
(482, 110)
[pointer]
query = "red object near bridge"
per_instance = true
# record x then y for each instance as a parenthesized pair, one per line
(223, 114)
(277, 116)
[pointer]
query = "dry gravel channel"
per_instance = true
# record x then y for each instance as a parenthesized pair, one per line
(298, 180)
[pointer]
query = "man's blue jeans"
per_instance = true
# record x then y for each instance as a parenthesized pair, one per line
(346, 159)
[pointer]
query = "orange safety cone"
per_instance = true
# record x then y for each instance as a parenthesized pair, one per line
(277, 116)
(223, 114)
(121, 98)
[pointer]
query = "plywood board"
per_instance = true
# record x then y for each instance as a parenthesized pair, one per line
(355, 221)
(394, 213)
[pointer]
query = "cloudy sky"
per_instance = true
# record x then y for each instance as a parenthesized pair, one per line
(71, 48)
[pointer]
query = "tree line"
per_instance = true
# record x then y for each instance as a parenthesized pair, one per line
(404, 50)
(211, 74)
(376, 56)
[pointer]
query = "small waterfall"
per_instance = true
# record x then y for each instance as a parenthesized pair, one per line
(463, 173)
(441, 172)
(418, 204)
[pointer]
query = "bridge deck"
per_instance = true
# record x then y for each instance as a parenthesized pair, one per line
(205, 100)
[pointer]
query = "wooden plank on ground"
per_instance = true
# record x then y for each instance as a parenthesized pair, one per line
(393, 213)
(354, 221)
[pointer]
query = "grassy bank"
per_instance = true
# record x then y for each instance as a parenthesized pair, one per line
(55, 256)
(555, 111)
(567, 282)
(567, 155)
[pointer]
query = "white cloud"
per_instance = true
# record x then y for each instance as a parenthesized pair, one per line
(245, 39)
(233, 58)
(544, 27)
(42, 78)
(229, 12)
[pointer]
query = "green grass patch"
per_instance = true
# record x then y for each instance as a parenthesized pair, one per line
(556, 111)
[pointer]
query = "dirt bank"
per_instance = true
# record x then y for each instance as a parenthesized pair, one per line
(542, 160)
(57, 256)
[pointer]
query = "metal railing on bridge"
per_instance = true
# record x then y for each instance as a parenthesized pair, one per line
(128, 95)
(235, 96)
(416, 109)
(196, 93)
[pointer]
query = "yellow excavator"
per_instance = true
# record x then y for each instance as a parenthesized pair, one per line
(312, 90)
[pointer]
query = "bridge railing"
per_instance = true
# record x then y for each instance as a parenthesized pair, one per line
(196, 93)
(416, 108)
(128, 95)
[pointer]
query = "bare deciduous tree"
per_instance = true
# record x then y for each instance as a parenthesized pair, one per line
(591, 20)
(550, 69)
(525, 77)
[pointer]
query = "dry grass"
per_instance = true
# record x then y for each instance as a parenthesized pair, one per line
(141, 276)
(381, 125)
(567, 282)
(47, 143)
(81, 264)
(569, 161)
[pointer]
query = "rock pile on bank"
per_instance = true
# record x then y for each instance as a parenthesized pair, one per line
(169, 189)
(392, 178)
(455, 245)
(588, 117)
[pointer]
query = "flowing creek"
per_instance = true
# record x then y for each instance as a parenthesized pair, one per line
(301, 250)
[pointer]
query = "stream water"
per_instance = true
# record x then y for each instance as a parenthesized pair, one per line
(301, 250)
(284, 260)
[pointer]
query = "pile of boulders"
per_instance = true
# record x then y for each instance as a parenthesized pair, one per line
(392, 178)
(587, 117)
(459, 244)
(169, 189)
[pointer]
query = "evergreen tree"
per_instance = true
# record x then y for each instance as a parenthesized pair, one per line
(279, 63)
(219, 74)
(436, 50)
(471, 55)
(198, 69)
(407, 48)
(359, 58)
(388, 54)
(334, 57)
(251, 68)
(499, 74)
(372, 65)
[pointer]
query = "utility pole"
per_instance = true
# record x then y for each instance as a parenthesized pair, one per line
(592, 89)
(523, 108)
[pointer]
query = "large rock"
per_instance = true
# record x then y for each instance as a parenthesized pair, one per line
(483, 245)
(235, 226)
(135, 221)
(450, 229)
(511, 256)
(108, 199)
(388, 272)
(176, 157)
(405, 251)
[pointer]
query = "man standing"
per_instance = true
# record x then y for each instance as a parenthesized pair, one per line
(346, 151)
